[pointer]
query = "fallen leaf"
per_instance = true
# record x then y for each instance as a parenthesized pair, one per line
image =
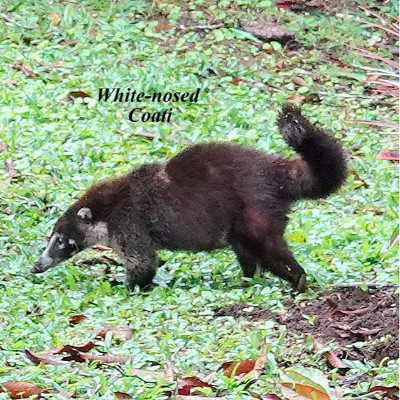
(20, 389)
(392, 155)
(11, 171)
(73, 355)
(75, 95)
(76, 319)
(301, 5)
(297, 80)
(11, 82)
(185, 385)
(121, 332)
(307, 382)
(252, 368)
(390, 391)
(269, 32)
(122, 396)
(237, 80)
(269, 396)
(68, 42)
(335, 361)
(297, 98)
(106, 358)
(57, 64)
(83, 349)
(163, 26)
(309, 392)
(4, 146)
(41, 358)
(238, 368)
(25, 69)
(290, 394)
(147, 135)
(369, 54)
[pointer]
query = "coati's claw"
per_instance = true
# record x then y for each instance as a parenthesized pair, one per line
(301, 284)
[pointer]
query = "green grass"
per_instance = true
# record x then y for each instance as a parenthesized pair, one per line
(60, 148)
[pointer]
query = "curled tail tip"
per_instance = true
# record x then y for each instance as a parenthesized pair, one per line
(290, 109)
(293, 126)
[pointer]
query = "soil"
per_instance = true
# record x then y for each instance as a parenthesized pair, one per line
(365, 324)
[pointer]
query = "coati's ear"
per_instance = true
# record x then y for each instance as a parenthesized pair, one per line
(85, 213)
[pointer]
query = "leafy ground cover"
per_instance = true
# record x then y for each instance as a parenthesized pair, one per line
(56, 139)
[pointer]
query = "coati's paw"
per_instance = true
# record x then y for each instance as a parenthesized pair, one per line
(301, 285)
(136, 289)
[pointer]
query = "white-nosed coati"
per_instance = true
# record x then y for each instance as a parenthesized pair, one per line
(207, 197)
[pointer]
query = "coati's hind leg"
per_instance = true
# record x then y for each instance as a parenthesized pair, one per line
(261, 232)
(140, 269)
(276, 257)
(247, 260)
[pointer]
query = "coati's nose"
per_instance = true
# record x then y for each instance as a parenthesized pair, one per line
(39, 267)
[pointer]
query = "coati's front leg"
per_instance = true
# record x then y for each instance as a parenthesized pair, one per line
(140, 268)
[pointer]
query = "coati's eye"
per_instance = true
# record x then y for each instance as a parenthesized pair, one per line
(59, 240)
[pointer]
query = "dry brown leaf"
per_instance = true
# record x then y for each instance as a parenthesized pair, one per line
(3, 146)
(122, 396)
(11, 171)
(76, 319)
(11, 82)
(57, 64)
(239, 368)
(82, 349)
(121, 332)
(20, 389)
(237, 80)
(42, 358)
(105, 358)
(297, 98)
(26, 70)
(147, 135)
(269, 32)
(252, 368)
(335, 361)
(163, 26)
(290, 394)
(185, 385)
(75, 94)
(299, 81)
(390, 391)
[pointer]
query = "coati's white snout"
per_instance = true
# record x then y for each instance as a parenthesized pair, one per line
(70, 238)
(48, 260)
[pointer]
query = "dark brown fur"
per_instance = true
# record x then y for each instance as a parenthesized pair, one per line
(212, 196)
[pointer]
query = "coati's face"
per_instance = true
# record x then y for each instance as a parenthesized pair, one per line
(72, 233)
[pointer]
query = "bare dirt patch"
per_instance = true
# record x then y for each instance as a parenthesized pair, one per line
(365, 324)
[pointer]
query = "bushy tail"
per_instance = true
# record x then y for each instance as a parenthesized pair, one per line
(325, 166)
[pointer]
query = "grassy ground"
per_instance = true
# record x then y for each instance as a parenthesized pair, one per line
(60, 147)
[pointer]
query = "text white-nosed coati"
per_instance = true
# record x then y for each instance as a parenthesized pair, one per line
(207, 197)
